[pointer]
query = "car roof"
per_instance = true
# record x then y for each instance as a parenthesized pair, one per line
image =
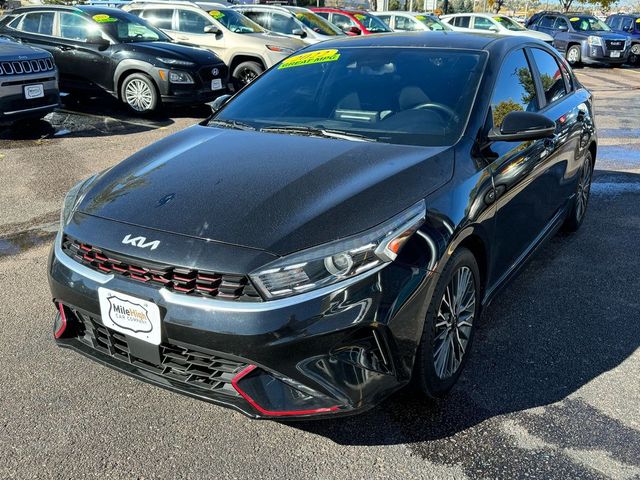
(402, 12)
(350, 11)
(88, 9)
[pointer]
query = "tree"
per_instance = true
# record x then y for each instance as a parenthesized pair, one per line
(565, 4)
(496, 5)
(394, 4)
(502, 109)
(604, 5)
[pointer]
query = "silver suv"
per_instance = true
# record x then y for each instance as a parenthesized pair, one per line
(28, 82)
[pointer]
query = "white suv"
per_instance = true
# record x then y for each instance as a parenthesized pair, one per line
(242, 44)
(492, 23)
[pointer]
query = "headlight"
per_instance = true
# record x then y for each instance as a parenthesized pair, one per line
(627, 42)
(336, 261)
(173, 61)
(176, 76)
(72, 199)
(595, 41)
(285, 50)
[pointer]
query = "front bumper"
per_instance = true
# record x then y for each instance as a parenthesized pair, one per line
(195, 93)
(602, 54)
(320, 354)
(13, 104)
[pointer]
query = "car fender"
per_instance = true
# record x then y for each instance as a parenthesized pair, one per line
(243, 53)
(133, 64)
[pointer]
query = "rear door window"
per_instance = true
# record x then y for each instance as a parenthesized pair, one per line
(38, 22)
(553, 82)
(462, 22)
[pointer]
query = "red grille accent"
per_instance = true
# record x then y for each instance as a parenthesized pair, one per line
(187, 281)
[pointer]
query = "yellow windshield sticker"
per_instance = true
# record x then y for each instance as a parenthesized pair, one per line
(216, 14)
(421, 17)
(102, 18)
(359, 16)
(574, 19)
(638, 20)
(299, 15)
(498, 19)
(319, 56)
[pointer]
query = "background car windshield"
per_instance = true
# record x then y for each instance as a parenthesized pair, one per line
(236, 22)
(589, 24)
(126, 28)
(509, 24)
(432, 23)
(317, 23)
(371, 23)
(416, 96)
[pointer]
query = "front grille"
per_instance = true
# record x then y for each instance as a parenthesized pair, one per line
(615, 44)
(193, 367)
(183, 280)
(20, 67)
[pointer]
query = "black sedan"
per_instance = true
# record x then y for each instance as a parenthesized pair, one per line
(99, 48)
(334, 231)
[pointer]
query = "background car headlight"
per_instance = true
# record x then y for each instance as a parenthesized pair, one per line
(594, 41)
(72, 199)
(285, 50)
(176, 76)
(174, 61)
(336, 261)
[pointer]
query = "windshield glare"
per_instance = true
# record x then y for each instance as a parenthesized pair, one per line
(371, 23)
(431, 23)
(126, 28)
(509, 24)
(589, 24)
(411, 96)
(236, 22)
(317, 23)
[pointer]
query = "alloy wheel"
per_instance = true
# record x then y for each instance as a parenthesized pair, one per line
(246, 76)
(454, 323)
(584, 187)
(138, 95)
(573, 55)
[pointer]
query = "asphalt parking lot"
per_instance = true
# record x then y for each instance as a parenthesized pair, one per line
(552, 389)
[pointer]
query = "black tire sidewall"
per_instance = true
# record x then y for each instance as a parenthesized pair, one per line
(155, 101)
(253, 66)
(424, 375)
(573, 223)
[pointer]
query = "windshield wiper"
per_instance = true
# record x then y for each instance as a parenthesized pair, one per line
(318, 132)
(235, 124)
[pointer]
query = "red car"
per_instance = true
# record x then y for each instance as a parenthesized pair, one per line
(353, 22)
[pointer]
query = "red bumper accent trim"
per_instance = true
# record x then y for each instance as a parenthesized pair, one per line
(63, 318)
(272, 413)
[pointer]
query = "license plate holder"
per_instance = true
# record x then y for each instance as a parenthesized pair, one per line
(131, 316)
(216, 84)
(35, 90)
(615, 54)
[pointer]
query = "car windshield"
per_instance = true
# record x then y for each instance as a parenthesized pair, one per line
(431, 23)
(126, 28)
(411, 96)
(371, 23)
(235, 21)
(589, 24)
(508, 23)
(318, 24)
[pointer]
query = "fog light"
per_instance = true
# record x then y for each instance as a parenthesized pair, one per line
(272, 397)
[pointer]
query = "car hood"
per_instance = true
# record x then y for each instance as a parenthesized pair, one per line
(607, 35)
(269, 38)
(274, 192)
(531, 33)
(10, 50)
(175, 51)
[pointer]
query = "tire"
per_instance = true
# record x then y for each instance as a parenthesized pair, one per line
(140, 94)
(634, 56)
(574, 56)
(432, 374)
(581, 200)
(245, 73)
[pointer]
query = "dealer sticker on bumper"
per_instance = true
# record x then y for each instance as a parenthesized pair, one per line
(130, 315)
(34, 91)
(216, 84)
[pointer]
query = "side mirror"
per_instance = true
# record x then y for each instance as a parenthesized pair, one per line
(298, 32)
(519, 126)
(563, 28)
(355, 30)
(219, 102)
(493, 28)
(211, 29)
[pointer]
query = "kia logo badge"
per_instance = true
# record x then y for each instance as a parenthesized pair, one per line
(215, 72)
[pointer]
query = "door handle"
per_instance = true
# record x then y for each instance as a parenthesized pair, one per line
(64, 48)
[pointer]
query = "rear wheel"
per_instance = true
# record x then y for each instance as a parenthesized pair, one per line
(581, 200)
(140, 93)
(574, 55)
(449, 326)
(245, 73)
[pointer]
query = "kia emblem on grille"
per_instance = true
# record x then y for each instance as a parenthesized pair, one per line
(140, 242)
(215, 72)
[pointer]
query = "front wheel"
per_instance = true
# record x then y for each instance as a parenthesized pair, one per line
(634, 57)
(449, 325)
(573, 55)
(581, 199)
(245, 73)
(140, 93)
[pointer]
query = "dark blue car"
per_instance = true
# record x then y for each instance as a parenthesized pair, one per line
(628, 24)
(583, 38)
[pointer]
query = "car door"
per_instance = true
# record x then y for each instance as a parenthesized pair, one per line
(84, 63)
(36, 28)
(545, 24)
(525, 184)
(561, 34)
(190, 26)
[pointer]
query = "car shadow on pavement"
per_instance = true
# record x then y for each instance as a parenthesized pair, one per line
(571, 315)
(98, 116)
